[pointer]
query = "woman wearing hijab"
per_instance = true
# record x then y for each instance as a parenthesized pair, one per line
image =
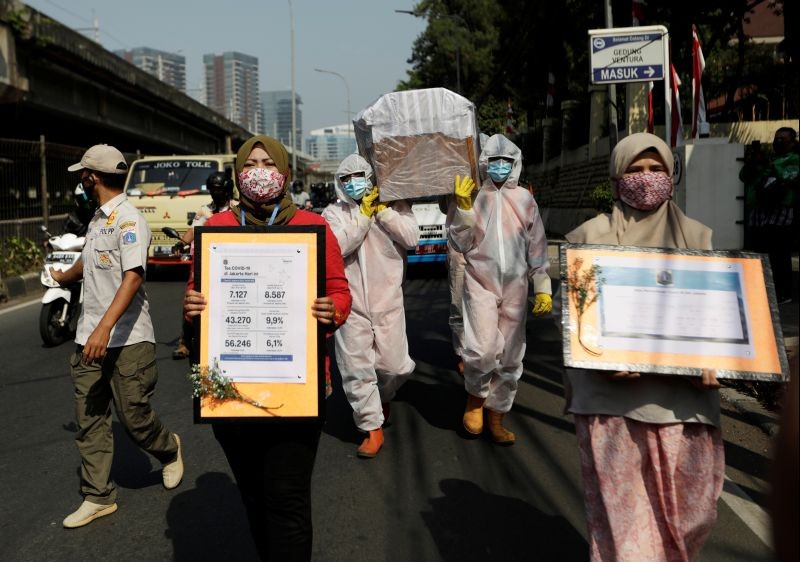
(650, 445)
(273, 464)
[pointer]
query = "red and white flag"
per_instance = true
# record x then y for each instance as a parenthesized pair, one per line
(637, 18)
(551, 90)
(698, 103)
(637, 12)
(677, 122)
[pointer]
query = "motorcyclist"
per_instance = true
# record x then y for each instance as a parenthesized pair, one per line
(77, 221)
(220, 186)
(299, 195)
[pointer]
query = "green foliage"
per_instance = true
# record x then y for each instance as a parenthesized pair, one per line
(208, 382)
(19, 255)
(601, 197)
(507, 48)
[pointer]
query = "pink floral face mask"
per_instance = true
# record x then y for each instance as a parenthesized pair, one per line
(644, 190)
(261, 185)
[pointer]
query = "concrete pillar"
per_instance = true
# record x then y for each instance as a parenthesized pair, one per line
(598, 120)
(548, 133)
(636, 102)
(569, 109)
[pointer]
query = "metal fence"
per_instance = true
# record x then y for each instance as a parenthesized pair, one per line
(35, 186)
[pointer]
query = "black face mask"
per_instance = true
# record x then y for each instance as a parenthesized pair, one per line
(220, 198)
(88, 187)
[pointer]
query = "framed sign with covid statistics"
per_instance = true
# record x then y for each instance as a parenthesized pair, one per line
(259, 353)
(667, 311)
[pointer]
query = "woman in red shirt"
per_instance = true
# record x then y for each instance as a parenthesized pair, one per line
(273, 464)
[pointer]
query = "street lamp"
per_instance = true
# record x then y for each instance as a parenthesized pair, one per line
(347, 87)
(294, 98)
(460, 20)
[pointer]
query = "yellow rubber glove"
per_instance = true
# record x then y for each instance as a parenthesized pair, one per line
(463, 191)
(380, 207)
(368, 202)
(542, 304)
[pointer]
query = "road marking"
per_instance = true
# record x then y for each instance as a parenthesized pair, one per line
(20, 305)
(751, 514)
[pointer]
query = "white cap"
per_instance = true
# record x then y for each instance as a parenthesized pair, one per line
(102, 158)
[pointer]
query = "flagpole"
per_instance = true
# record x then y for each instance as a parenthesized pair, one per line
(667, 91)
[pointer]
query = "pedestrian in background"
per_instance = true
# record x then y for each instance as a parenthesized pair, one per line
(220, 186)
(772, 197)
(372, 348)
(115, 357)
(651, 451)
(273, 463)
(503, 242)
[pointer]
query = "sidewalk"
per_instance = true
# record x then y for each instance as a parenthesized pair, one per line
(746, 405)
(18, 286)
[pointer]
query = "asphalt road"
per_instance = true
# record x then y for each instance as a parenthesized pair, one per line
(431, 494)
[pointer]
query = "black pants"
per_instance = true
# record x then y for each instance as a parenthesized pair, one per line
(777, 241)
(272, 466)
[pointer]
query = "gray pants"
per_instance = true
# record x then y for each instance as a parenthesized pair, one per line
(127, 376)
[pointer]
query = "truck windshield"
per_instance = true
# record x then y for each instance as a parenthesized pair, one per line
(166, 177)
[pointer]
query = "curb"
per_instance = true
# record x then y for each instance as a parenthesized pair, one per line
(22, 285)
(752, 410)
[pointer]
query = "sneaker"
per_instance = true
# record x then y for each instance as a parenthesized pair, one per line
(172, 473)
(86, 513)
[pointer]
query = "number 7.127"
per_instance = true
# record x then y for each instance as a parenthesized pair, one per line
(237, 294)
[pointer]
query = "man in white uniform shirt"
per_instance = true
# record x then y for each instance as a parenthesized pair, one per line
(115, 356)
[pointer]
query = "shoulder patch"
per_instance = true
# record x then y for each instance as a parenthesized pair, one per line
(129, 238)
(127, 225)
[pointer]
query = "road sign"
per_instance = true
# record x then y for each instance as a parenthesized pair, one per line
(628, 54)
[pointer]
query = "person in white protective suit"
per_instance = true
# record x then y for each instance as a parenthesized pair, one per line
(371, 347)
(503, 241)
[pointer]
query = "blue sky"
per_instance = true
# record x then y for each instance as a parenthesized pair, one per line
(364, 40)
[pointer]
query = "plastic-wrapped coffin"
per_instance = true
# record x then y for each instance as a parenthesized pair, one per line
(418, 141)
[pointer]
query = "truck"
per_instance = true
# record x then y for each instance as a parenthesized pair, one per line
(432, 245)
(170, 191)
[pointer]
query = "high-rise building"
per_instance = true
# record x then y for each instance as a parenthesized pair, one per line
(331, 143)
(232, 88)
(276, 107)
(167, 67)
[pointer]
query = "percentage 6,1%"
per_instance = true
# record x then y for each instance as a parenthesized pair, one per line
(273, 343)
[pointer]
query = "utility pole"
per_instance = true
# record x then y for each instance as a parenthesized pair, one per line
(347, 88)
(613, 125)
(294, 99)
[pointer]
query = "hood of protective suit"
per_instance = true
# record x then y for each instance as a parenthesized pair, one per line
(350, 165)
(500, 146)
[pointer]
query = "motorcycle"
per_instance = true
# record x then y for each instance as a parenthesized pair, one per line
(183, 250)
(61, 306)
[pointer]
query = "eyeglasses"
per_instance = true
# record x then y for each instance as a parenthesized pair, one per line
(347, 178)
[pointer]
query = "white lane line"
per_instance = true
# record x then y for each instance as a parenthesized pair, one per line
(751, 514)
(14, 307)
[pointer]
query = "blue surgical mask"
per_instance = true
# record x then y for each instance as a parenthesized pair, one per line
(499, 170)
(356, 187)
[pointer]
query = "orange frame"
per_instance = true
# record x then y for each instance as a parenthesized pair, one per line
(768, 363)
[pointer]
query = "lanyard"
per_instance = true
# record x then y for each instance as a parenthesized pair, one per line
(271, 219)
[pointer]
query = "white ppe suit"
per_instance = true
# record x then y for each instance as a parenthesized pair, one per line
(371, 347)
(503, 241)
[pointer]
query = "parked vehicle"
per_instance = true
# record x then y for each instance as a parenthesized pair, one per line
(169, 191)
(61, 306)
(432, 245)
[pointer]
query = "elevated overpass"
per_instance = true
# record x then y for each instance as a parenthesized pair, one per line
(58, 83)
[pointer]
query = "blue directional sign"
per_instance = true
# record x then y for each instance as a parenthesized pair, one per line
(632, 54)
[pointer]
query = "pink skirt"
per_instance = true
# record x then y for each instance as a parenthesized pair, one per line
(650, 490)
